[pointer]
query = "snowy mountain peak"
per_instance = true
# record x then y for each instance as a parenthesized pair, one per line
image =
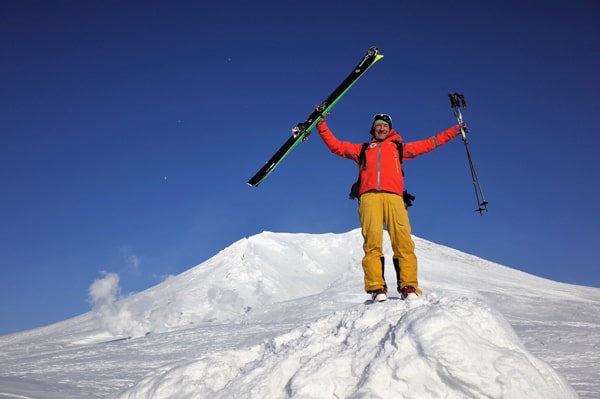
(282, 315)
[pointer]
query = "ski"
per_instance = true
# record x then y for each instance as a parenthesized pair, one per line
(302, 130)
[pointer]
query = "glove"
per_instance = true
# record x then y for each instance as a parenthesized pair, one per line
(408, 198)
(462, 126)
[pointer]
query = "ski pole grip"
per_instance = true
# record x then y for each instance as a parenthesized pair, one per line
(457, 100)
(453, 100)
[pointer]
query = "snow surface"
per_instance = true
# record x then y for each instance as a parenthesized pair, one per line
(282, 315)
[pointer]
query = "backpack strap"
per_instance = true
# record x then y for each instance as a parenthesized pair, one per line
(406, 196)
(362, 164)
(400, 147)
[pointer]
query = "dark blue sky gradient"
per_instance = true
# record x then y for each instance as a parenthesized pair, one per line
(129, 130)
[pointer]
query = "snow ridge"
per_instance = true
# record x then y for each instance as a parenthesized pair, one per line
(429, 347)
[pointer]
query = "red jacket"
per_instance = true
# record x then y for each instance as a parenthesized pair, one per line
(383, 170)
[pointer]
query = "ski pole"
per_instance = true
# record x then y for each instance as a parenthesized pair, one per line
(457, 101)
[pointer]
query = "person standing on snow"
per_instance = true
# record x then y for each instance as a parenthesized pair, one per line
(380, 197)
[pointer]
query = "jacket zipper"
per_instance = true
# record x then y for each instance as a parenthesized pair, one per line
(378, 166)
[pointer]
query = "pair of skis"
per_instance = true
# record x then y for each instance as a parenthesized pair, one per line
(302, 130)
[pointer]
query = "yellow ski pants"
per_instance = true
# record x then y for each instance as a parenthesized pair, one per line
(375, 210)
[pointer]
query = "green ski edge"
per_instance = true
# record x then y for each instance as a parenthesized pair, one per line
(307, 132)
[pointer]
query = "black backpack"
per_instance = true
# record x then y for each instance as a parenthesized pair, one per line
(408, 198)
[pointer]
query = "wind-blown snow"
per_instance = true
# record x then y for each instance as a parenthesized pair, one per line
(284, 315)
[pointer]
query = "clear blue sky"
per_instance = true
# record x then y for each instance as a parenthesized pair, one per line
(129, 130)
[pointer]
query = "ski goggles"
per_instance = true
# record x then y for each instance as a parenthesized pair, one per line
(383, 117)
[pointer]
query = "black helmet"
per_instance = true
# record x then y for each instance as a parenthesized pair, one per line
(381, 117)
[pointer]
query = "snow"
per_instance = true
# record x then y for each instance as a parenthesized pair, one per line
(280, 315)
